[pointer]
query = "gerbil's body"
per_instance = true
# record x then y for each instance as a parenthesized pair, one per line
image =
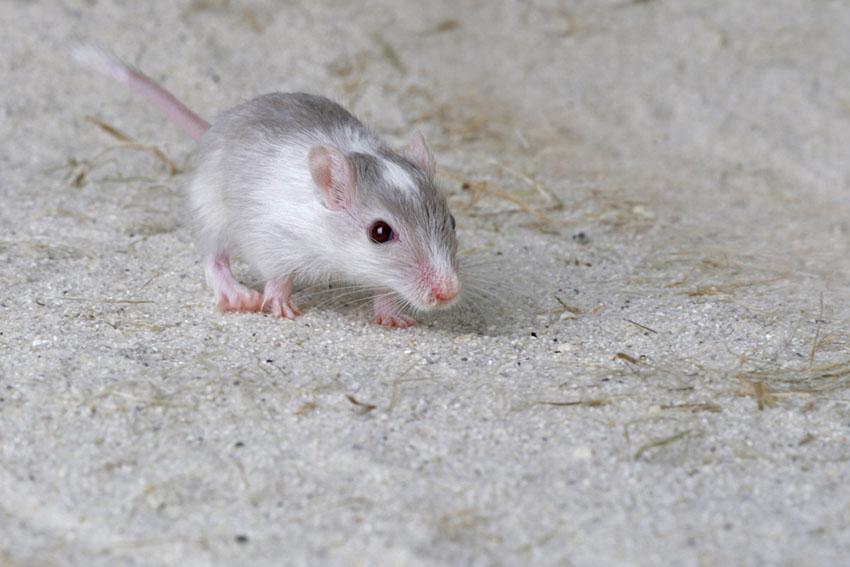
(300, 189)
(256, 196)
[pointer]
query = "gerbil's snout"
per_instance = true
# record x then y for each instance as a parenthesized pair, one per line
(440, 290)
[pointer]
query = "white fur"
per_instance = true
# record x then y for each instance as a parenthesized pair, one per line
(102, 61)
(398, 177)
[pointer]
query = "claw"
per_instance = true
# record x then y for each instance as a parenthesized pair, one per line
(399, 321)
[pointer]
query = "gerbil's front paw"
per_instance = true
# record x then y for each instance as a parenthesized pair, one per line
(394, 320)
(240, 299)
(388, 315)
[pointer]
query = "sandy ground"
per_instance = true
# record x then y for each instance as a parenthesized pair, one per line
(658, 190)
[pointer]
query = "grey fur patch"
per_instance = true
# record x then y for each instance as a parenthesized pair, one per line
(367, 169)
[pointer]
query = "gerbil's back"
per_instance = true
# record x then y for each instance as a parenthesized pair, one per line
(297, 118)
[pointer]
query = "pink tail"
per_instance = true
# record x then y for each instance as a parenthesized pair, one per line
(108, 64)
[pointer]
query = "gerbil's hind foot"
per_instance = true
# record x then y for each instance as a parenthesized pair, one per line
(278, 298)
(230, 294)
(387, 313)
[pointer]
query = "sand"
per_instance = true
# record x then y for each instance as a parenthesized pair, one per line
(656, 197)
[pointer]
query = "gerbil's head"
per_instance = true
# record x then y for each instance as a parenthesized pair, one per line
(396, 230)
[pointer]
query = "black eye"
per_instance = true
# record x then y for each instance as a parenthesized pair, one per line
(380, 232)
(454, 224)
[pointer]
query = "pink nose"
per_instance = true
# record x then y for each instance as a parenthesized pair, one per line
(438, 286)
(444, 294)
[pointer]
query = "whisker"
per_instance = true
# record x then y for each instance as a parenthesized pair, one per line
(350, 296)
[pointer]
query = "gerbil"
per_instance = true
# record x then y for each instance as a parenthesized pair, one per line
(304, 192)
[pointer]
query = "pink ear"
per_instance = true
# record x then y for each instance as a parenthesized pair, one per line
(333, 176)
(420, 155)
